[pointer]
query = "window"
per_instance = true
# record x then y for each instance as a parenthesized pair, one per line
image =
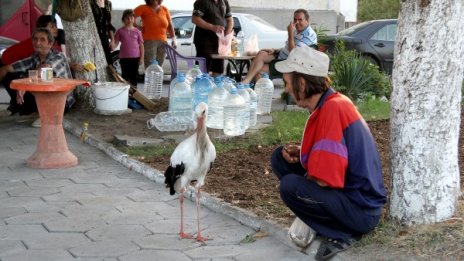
(386, 33)
(183, 27)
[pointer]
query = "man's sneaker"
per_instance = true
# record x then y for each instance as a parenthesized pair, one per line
(301, 234)
(36, 123)
(330, 247)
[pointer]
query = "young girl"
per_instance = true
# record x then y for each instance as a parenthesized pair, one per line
(131, 51)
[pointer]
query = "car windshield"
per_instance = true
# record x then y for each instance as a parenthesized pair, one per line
(354, 28)
(260, 23)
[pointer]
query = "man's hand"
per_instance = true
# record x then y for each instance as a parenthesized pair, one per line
(217, 28)
(20, 97)
(291, 28)
(291, 153)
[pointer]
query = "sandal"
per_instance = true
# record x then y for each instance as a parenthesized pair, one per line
(330, 247)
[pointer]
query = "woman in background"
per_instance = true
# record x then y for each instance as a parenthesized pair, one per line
(156, 22)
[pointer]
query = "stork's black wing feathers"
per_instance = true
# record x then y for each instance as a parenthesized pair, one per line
(171, 175)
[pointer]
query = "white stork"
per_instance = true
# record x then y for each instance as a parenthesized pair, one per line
(190, 161)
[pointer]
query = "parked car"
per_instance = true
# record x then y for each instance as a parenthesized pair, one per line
(268, 35)
(373, 39)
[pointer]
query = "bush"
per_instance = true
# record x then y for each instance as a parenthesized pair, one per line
(354, 75)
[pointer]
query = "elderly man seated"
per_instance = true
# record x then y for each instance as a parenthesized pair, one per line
(44, 56)
(299, 34)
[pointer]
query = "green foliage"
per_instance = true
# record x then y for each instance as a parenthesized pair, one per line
(321, 32)
(378, 9)
(355, 76)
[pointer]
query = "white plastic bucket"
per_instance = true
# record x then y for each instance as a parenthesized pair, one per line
(111, 97)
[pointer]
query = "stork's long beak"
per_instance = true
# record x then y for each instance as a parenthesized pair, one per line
(200, 122)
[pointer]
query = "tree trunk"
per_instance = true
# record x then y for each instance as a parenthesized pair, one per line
(425, 110)
(84, 45)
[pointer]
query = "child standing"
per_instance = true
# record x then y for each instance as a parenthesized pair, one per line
(131, 52)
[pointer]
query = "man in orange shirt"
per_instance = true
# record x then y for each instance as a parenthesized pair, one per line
(156, 21)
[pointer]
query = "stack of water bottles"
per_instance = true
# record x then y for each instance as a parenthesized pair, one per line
(179, 117)
(232, 109)
(153, 85)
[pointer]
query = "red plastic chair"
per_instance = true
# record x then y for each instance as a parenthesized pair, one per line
(174, 56)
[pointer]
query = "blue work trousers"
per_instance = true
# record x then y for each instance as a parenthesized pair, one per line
(328, 211)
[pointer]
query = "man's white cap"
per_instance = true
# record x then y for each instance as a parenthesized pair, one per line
(305, 60)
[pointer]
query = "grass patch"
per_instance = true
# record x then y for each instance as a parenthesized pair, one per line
(374, 109)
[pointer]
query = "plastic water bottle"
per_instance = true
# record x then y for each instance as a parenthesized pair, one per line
(180, 99)
(201, 89)
(246, 96)
(216, 99)
(234, 112)
(153, 85)
(228, 83)
(253, 104)
(192, 74)
(264, 88)
(241, 43)
(166, 121)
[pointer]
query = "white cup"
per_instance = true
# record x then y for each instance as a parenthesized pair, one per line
(46, 74)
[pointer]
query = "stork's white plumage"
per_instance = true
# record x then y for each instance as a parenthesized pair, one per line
(191, 161)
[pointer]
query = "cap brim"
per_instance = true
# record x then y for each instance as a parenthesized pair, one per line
(284, 66)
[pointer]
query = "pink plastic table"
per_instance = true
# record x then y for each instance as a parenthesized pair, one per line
(52, 150)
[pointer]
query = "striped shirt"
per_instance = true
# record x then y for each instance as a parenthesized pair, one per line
(55, 59)
(306, 37)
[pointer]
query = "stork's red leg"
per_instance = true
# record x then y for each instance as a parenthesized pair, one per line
(182, 234)
(199, 237)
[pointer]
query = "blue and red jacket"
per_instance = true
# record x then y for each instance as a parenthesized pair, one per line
(338, 148)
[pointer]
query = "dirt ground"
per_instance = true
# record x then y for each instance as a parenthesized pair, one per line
(245, 179)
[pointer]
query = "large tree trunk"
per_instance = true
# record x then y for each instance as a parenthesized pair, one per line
(84, 45)
(425, 110)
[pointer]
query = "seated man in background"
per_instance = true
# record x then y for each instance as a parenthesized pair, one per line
(44, 56)
(23, 50)
(299, 34)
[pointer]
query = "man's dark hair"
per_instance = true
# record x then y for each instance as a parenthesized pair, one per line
(149, 2)
(314, 85)
(304, 11)
(44, 20)
(50, 37)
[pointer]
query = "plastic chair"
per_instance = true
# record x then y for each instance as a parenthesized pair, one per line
(174, 56)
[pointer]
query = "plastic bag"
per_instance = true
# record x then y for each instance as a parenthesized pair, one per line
(251, 45)
(225, 43)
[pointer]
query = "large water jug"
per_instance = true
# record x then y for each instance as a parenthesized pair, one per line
(180, 99)
(216, 99)
(228, 83)
(253, 104)
(264, 88)
(234, 112)
(246, 96)
(201, 89)
(192, 74)
(153, 85)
